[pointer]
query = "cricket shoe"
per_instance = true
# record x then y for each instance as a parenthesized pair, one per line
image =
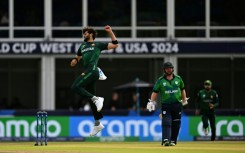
(101, 74)
(172, 144)
(96, 130)
(165, 142)
(99, 103)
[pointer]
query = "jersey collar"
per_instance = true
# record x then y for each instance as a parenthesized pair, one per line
(165, 76)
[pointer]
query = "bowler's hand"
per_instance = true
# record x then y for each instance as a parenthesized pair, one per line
(73, 62)
(211, 106)
(108, 28)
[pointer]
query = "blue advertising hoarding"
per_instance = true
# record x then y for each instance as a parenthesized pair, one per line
(118, 128)
(146, 128)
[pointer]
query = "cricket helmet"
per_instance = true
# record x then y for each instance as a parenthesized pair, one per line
(167, 65)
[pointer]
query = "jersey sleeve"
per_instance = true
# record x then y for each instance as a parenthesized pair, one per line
(156, 87)
(182, 85)
(102, 46)
(216, 99)
(79, 53)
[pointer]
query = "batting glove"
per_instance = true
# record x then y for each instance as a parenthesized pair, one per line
(150, 105)
(185, 102)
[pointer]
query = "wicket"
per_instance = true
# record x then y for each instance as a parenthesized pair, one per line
(42, 117)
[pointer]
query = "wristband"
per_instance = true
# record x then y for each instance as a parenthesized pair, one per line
(76, 59)
(114, 42)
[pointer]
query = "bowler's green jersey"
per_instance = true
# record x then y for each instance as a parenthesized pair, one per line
(170, 90)
(205, 97)
(90, 52)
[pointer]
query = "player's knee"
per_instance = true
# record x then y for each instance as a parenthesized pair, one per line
(74, 87)
(176, 122)
(166, 121)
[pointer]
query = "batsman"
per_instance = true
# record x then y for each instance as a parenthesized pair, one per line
(171, 90)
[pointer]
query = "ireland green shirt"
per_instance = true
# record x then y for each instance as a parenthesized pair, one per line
(170, 90)
(90, 52)
(205, 97)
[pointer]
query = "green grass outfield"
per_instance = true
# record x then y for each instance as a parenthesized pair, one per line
(124, 147)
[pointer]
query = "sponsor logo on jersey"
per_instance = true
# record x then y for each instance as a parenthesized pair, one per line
(171, 91)
(87, 49)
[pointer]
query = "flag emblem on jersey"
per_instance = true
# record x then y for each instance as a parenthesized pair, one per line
(164, 83)
(176, 82)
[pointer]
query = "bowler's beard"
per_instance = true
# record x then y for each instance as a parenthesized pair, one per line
(86, 38)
